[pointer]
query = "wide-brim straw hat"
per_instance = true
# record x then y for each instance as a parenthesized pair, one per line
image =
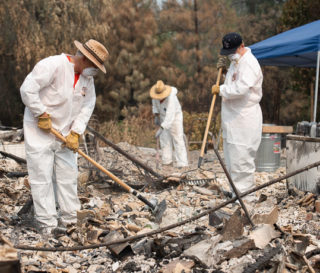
(160, 91)
(95, 52)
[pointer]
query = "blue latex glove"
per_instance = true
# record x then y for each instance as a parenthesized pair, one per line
(159, 132)
(157, 120)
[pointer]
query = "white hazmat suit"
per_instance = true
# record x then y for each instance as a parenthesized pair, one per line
(53, 169)
(171, 119)
(242, 119)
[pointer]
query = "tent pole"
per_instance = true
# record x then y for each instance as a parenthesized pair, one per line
(316, 89)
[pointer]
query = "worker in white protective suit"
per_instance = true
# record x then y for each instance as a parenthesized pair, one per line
(168, 115)
(241, 113)
(58, 93)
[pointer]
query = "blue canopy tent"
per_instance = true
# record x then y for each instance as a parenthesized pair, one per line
(299, 47)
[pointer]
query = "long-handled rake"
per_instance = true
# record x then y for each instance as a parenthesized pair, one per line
(208, 122)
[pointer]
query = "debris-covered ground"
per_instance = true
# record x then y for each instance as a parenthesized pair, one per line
(285, 237)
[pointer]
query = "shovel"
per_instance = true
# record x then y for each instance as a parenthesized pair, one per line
(208, 122)
(157, 209)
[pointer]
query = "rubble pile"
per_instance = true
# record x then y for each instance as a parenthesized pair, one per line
(285, 236)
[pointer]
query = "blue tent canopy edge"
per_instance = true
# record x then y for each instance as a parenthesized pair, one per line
(295, 47)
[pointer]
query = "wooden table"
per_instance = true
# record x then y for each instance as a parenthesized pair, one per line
(277, 129)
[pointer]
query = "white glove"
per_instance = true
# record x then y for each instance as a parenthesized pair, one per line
(159, 132)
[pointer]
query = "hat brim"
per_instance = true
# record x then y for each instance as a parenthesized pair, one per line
(90, 57)
(226, 52)
(162, 95)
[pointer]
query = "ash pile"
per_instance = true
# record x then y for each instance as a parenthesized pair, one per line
(201, 230)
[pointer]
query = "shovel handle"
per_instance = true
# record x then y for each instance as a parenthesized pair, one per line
(209, 118)
(101, 168)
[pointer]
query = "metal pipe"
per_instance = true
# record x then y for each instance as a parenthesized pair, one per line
(316, 89)
(235, 190)
(14, 157)
(130, 157)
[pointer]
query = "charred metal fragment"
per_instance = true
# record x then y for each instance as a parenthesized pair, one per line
(262, 261)
(10, 266)
(14, 157)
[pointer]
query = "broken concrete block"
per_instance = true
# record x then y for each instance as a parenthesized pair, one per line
(237, 265)
(221, 249)
(267, 218)
(263, 234)
(83, 215)
(116, 249)
(233, 228)
(143, 246)
(93, 235)
(217, 217)
(240, 248)
(204, 251)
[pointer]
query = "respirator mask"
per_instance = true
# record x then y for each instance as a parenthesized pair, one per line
(90, 71)
(234, 57)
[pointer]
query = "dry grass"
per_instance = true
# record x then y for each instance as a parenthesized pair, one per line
(135, 129)
(138, 129)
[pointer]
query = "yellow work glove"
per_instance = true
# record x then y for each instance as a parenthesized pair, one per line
(215, 89)
(222, 63)
(44, 122)
(72, 141)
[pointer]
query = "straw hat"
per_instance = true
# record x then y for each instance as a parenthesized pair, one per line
(95, 52)
(160, 91)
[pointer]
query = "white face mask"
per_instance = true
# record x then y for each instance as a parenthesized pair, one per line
(234, 57)
(90, 71)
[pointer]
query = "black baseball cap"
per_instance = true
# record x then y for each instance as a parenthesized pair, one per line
(230, 43)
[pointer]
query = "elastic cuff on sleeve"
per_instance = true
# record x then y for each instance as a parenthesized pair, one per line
(40, 112)
(222, 90)
(163, 127)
